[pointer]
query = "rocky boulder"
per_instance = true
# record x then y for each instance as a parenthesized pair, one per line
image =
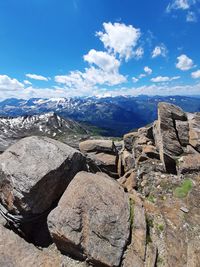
(102, 155)
(92, 220)
(98, 146)
(34, 173)
(166, 135)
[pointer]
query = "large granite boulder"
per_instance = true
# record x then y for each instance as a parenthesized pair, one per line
(166, 135)
(35, 172)
(92, 220)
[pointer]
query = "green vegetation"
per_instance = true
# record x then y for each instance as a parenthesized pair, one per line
(160, 261)
(151, 198)
(131, 202)
(160, 227)
(183, 190)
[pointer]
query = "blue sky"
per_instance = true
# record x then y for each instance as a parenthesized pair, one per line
(61, 48)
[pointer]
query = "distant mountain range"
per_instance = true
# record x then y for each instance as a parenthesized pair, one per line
(116, 115)
(48, 124)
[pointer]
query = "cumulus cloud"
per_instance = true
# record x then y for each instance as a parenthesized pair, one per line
(119, 39)
(103, 60)
(9, 84)
(184, 63)
(164, 79)
(91, 77)
(159, 50)
(37, 77)
(148, 70)
(195, 74)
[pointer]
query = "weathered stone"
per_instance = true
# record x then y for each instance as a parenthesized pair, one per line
(16, 252)
(189, 163)
(147, 132)
(182, 128)
(184, 209)
(194, 130)
(139, 230)
(151, 152)
(151, 256)
(119, 145)
(132, 260)
(92, 220)
(120, 167)
(129, 140)
(141, 158)
(191, 150)
(165, 133)
(128, 160)
(34, 173)
(135, 254)
(103, 162)
(129, 180)
(98, 146)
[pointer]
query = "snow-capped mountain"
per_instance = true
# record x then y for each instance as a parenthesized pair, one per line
(48, 124)
(116, 115)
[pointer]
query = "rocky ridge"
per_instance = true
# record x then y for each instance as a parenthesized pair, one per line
(131, 203)
(46, 124)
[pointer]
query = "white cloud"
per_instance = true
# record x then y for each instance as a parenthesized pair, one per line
(37, 77)
(97, 76)
(103, 60)
(135, 80)
(191, 17)
(9, 84)
(148, 70)
(27, 82)
(184, 63)
(138, 53)
(159, 89)
(159, 50)
(179, 4)
(195, 74)
(164, 79)
(91, 77)
(119, 38)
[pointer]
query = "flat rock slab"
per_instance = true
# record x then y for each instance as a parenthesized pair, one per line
(92, 220)
(34, 173)
(105, 146)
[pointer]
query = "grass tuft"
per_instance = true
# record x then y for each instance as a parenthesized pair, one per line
(183, 190)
